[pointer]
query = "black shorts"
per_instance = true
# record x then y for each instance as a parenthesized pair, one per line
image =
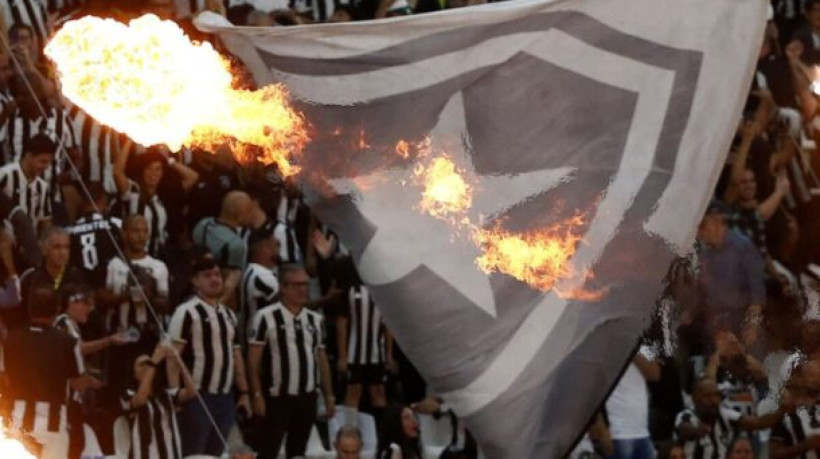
(369, 374)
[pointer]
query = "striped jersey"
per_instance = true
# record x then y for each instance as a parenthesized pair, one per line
(209, 333)
(797, 427)
(40, 362)
(715, 444)
(259, 288)
(292, 342)
(154, 428)
(365, 339)
(289, 250)
(131, 202)
(32, 13)
(19, 129)
(98, 145)
(31, 196)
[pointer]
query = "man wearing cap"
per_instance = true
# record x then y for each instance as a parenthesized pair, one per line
(77, 305)
(731, 276)
(205, 335)
(41, 363)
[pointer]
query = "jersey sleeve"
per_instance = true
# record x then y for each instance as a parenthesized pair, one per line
(260, 329)
(180, 327)
(268, 286)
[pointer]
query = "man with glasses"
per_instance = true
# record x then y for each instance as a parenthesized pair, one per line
(293, 338)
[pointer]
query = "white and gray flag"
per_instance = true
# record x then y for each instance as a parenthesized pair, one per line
(621, 110)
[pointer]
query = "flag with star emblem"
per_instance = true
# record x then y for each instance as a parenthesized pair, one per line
(621, 112)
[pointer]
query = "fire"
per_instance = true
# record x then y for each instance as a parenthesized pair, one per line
(446, 193)
(540, 258)
(11, 448)
(149, 81)
(403, 149)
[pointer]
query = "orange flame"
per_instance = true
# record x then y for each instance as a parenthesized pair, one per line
(539, 258)
(149, 81)
(11, 448)
(542, 258)
(446, 193)
(403, 149)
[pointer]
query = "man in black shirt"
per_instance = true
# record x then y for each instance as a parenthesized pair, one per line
(54, 272)
(41, 363)
(93, 236)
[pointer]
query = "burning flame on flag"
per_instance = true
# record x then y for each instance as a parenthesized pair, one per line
(445, 190)
(150, 82)
(540, 258)
(11, 448)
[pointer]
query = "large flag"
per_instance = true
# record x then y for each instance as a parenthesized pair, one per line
(621, 111)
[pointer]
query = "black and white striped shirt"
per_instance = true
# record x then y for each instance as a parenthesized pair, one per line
(287, 209)
(32, 197)
(715, 444)
(259, 289)
(293, 342)
(18, 130)
(40, 362)
(32, 13)
(130, 202)
(210, 336)
(98, 145)
(366, 331)
(154, 428)
(289, 250)
(796, 427)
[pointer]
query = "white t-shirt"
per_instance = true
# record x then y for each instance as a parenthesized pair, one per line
(118, 277)
(628, 405)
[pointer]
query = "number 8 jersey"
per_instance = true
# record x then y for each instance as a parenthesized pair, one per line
(91, 244)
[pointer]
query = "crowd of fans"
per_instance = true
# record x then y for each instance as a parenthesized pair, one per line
(192, 298)
(195, 297)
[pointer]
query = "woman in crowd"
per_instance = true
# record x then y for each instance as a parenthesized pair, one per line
(399, 436)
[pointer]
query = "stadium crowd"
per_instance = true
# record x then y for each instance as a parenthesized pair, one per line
(161, 304)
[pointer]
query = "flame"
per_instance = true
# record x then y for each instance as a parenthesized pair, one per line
(540, 258)
(445, 192)
(403, 149)
(150, 82)
(11, 448)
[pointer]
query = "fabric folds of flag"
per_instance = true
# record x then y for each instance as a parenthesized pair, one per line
(621, 111)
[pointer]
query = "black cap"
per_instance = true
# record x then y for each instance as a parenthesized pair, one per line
(203, 260)
(717, 206)
(76, 292)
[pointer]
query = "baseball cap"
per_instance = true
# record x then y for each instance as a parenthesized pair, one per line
(203, 260)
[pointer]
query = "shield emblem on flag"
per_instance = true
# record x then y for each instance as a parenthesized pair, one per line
(551, 109)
